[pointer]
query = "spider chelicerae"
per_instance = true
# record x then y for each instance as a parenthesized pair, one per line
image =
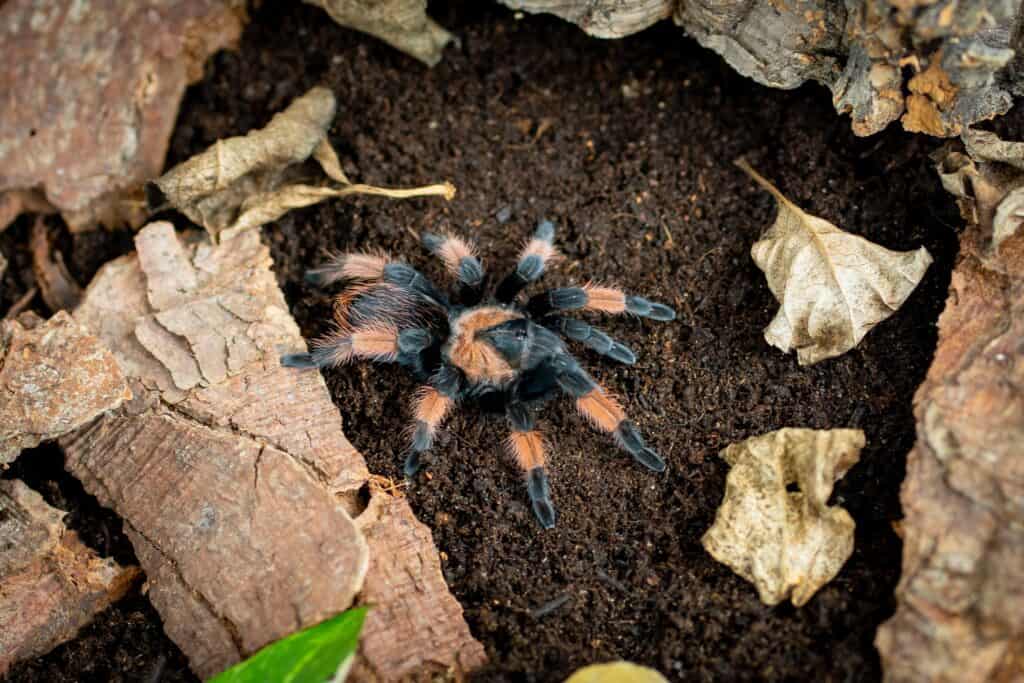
(505, 354)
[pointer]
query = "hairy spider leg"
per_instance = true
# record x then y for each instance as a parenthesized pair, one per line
(461, 261)
(526, 445)
(538, 252)
(598, 298)
(374, 267)
(374, 341)
(591, 337)
(432, 404)
(604, 412)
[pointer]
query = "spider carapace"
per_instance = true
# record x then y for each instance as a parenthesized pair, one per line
(506, 354)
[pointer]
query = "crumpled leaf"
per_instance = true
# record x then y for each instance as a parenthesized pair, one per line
(787, 543)
(51, 584)
(832, 287)
(989, 182)
(403, 24)
(616, 672)
(960, 612)
(246, 181)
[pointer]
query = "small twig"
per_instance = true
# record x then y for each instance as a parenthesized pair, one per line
(550, 606)
(21, 304)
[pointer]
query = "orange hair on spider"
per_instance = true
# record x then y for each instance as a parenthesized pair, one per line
(478, 359)
(601, 409)
(604, 299)
(452, 250)
(377, 341)
(547, 251)
(431, 406)
(528, 449)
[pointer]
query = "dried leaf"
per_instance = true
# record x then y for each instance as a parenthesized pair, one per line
(602, 18)
(616, 672)
(51, 585)
(89, 95)
(54, 377)
(960, 613)
(787, 543)
(403, 24)
(247, 181)
(832, 287)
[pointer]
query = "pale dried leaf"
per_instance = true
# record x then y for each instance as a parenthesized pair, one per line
(54, 377)
(403, 24)
(787, 543)
(602, 18)
(832, 287)
(960, 614)
(51, 585)
(247, 181)
(616, 672)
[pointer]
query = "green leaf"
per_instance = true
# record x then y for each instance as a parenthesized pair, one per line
(309, 656)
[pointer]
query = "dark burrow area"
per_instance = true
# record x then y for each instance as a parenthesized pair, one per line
(628, 147)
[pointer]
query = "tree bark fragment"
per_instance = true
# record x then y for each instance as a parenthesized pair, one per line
(961, 601)
(51, 585)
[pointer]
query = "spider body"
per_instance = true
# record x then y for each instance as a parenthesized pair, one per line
(504, 355)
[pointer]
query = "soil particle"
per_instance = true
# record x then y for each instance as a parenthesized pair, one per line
(528, 118)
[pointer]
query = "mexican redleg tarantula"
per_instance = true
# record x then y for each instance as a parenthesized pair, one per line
(505, 355)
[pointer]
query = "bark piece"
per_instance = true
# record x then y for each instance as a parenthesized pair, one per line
(51, 585)
(602, 18)
(59, 290)
(414, 621)
(16, 202)
(247, 181)
(402, 24)
(89, 93)
(241, 458)
(787, 543)
(961, 608)
(54, 377)
(832, 287)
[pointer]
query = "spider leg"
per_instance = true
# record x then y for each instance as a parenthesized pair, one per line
(375, 341)
(366, 267)
(604, 412)
(591, 337)
(533, 259)
(461, 261)
(601, 299)
(433, 403)
(527, 446)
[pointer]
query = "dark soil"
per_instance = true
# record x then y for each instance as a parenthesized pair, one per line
(627, 145)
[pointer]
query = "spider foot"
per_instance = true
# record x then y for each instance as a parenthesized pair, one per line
(540, 495)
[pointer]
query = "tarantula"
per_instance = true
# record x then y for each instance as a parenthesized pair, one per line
(505, 355)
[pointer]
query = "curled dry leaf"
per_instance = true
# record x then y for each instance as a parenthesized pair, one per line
(960, 613)
(51, 585)
(616, 672)
(787, 543)
(403, 24)
(832, 287)
(244, 182)
(237, 487)
(54, 377)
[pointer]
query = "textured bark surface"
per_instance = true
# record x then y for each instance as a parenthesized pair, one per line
(54, 377)
(961, 603)
(89, 93)
(959, 54)
(50, 583)
(234, 479)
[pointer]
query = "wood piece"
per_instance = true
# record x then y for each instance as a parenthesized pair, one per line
(89, 93)
(961, 608)
(51, 585)
(54, 377)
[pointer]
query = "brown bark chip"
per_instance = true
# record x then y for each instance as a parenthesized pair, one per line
(50, 583)
(54, 377)
(961, 611)
(228, 469)
(89, 93)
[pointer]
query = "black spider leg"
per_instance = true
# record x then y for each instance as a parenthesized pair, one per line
(526, 444)
(591, 337)
(469, 272)
(578, 298)
(447, 384)
(530, 266)
(575, 382)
